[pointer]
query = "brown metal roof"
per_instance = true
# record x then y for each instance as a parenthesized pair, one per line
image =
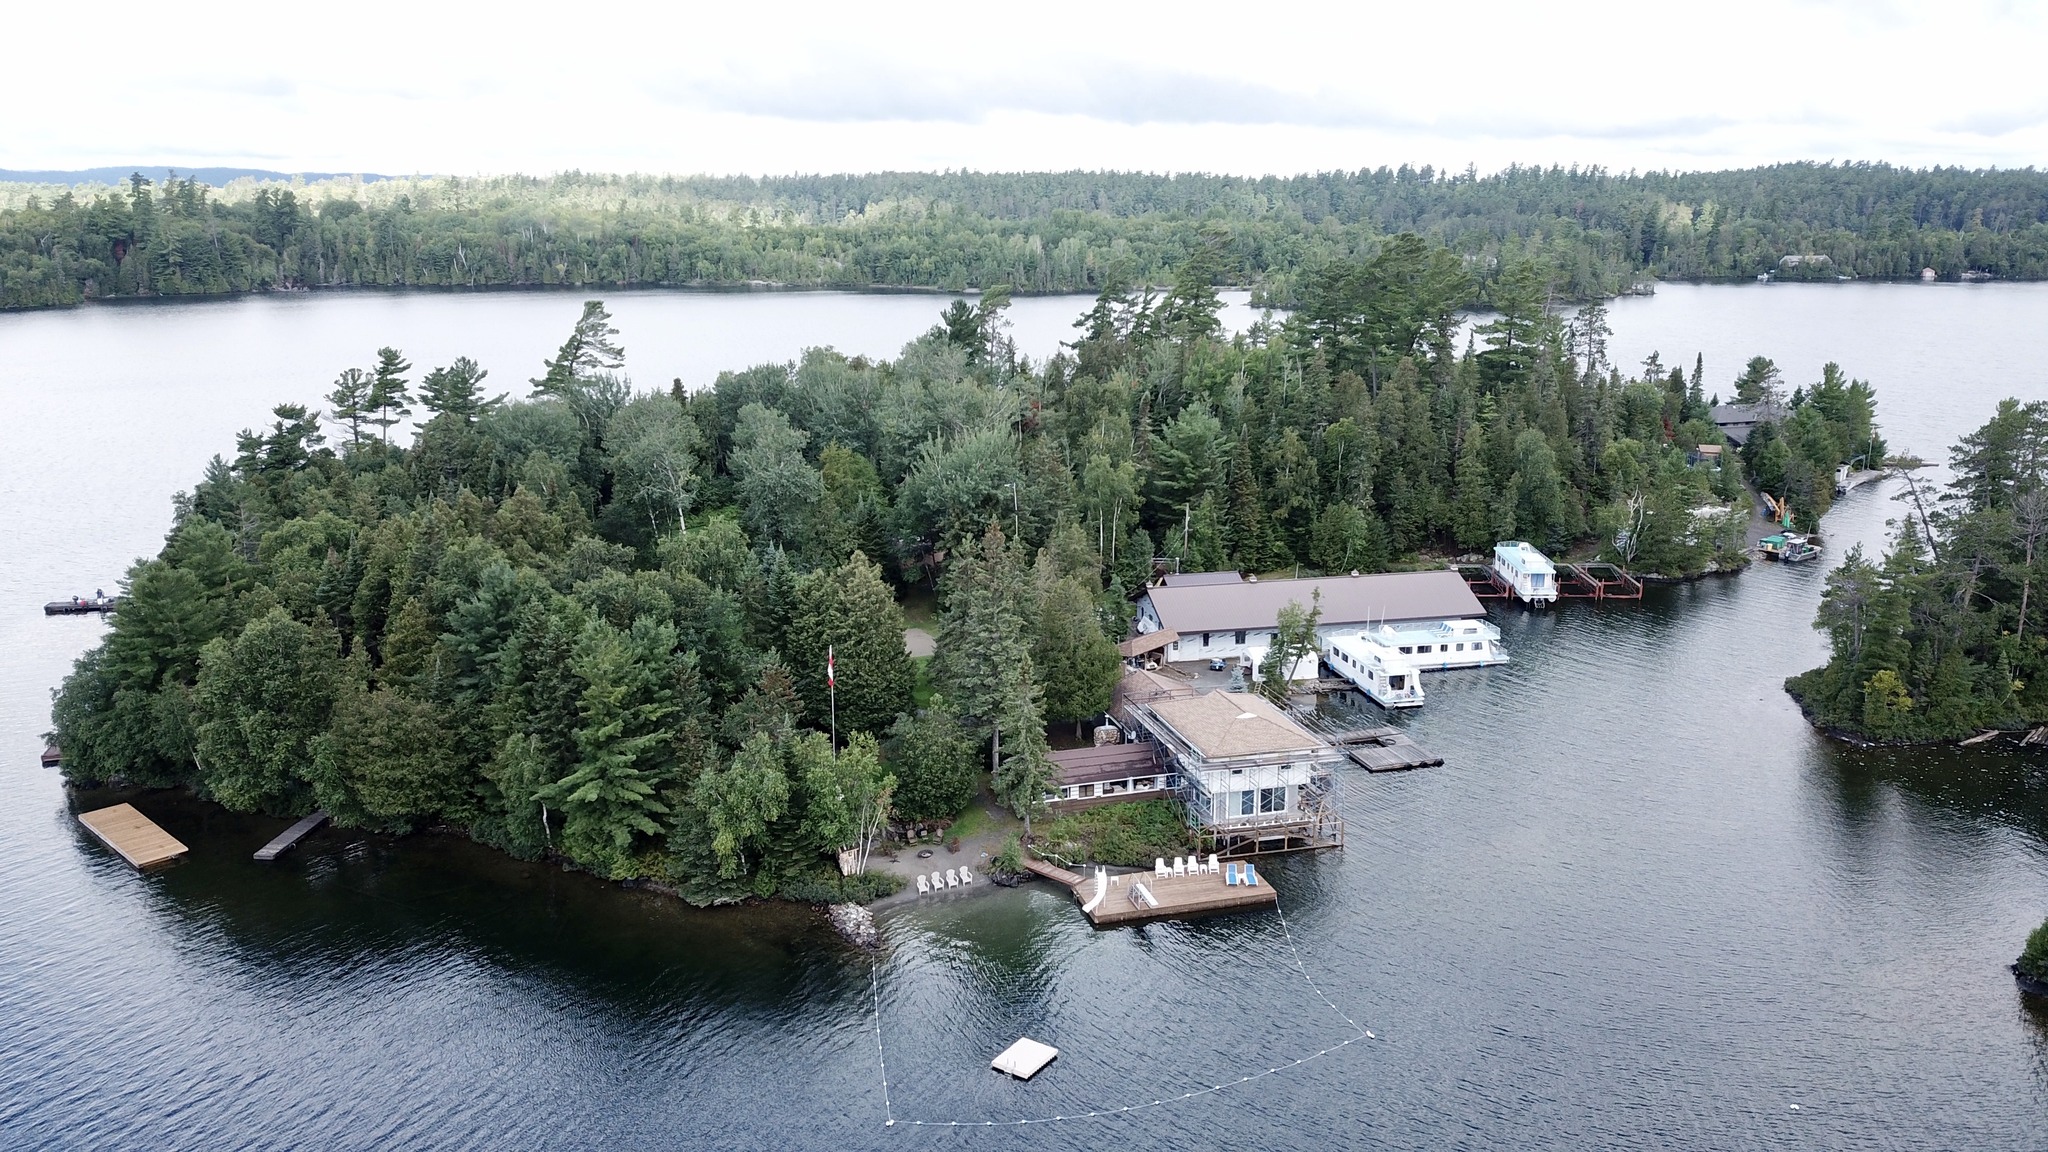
(1226, 725)
(1150, 642)
(1389, 597)
(1110, 762)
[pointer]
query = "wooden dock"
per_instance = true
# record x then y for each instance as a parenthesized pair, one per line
(53, 756)
(134, 836)
(284, 840)
(1052, 872)
(1389, 750)
(1175, 895)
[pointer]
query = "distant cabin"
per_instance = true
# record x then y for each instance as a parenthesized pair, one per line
(1737, 421)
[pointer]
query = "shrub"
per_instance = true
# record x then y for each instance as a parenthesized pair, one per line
(2034, 961)
(1129, 835)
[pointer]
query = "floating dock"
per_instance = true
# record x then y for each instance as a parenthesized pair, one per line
(290, 836)
(1171, 896)
(1025, 1058)
(134, 836)
(1392, 752)
(79, 605)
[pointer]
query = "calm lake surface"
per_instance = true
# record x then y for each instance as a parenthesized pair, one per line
(1642, 905)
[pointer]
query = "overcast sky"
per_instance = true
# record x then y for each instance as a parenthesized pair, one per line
(795, 87)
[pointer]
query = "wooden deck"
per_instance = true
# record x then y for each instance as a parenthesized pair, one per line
(135, 836)
(1177, 896)
(290, 836)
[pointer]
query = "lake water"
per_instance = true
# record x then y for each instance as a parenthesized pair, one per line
(1641, 905)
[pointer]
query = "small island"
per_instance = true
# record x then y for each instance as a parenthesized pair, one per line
(668, 637)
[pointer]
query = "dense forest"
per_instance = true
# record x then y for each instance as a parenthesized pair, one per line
(1598, 233)
(598, 623)
(1945, 636)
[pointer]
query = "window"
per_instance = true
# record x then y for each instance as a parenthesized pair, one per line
(1461, 647)
(1240, 636)
(1205, 639)
(1273, 799)
(1085, 791)
(1244, 803)
(1408, 650)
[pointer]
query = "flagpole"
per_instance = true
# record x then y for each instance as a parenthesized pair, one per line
(832, 688)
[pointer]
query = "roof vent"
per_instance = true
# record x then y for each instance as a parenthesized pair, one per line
(1354, 571)
(1251, 579)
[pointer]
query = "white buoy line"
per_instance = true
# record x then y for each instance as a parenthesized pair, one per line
(1359, 1033)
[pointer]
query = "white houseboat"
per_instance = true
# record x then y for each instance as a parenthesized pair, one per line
(1527, 572)
(1388, 678)
(1446, 645)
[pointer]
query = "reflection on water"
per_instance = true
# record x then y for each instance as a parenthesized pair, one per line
(1642, 904)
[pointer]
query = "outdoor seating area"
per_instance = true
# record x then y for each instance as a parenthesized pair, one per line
(940, 881)
(1200, 885)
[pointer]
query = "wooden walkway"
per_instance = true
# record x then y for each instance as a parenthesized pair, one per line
(1052, 872)
(290, 836)
(1176, 896)
(135, 836)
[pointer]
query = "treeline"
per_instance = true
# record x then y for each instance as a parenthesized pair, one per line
(1945, 636)
(1599, 233)
(599, 623)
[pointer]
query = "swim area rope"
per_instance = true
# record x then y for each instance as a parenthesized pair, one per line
(1358, 1033)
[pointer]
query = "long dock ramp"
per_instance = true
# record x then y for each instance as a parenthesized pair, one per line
(284, 840)
(135, 837)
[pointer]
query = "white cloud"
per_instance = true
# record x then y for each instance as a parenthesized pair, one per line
(617, 85)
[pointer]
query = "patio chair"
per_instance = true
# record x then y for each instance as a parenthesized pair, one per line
(1180, 866)
(923, 885)
(1213, 866)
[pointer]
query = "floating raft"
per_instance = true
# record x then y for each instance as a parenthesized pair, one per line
(1171, 896)
(135, 836)
(290, 836)
(1025, 1059)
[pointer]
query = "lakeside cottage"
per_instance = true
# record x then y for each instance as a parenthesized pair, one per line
(1247, 777)
(1222, 615)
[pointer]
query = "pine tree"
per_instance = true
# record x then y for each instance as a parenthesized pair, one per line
(388, 396)
(350, 404)
(457, 391)
(1023, 770)
(849, 613)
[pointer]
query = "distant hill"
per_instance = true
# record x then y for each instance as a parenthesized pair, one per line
(119, 175)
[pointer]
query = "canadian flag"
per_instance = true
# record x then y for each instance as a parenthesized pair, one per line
(831, 677)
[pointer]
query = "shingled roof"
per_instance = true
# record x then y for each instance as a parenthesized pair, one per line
(1226, 725)
(1387, 598)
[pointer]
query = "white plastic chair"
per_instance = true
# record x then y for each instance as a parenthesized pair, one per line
(923, 885)
(952, 878)
(1180, 866)
(1213, 865)
(938, 881)
(1159, 867)
(966, 877)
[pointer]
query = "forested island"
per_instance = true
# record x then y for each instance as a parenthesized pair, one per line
(596, 622)
(1596, 233)
(1943, 637)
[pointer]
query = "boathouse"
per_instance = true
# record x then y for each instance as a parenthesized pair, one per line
(1248, 777)
(1229, 619)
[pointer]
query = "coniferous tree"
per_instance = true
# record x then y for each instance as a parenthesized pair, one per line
(388, 392)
